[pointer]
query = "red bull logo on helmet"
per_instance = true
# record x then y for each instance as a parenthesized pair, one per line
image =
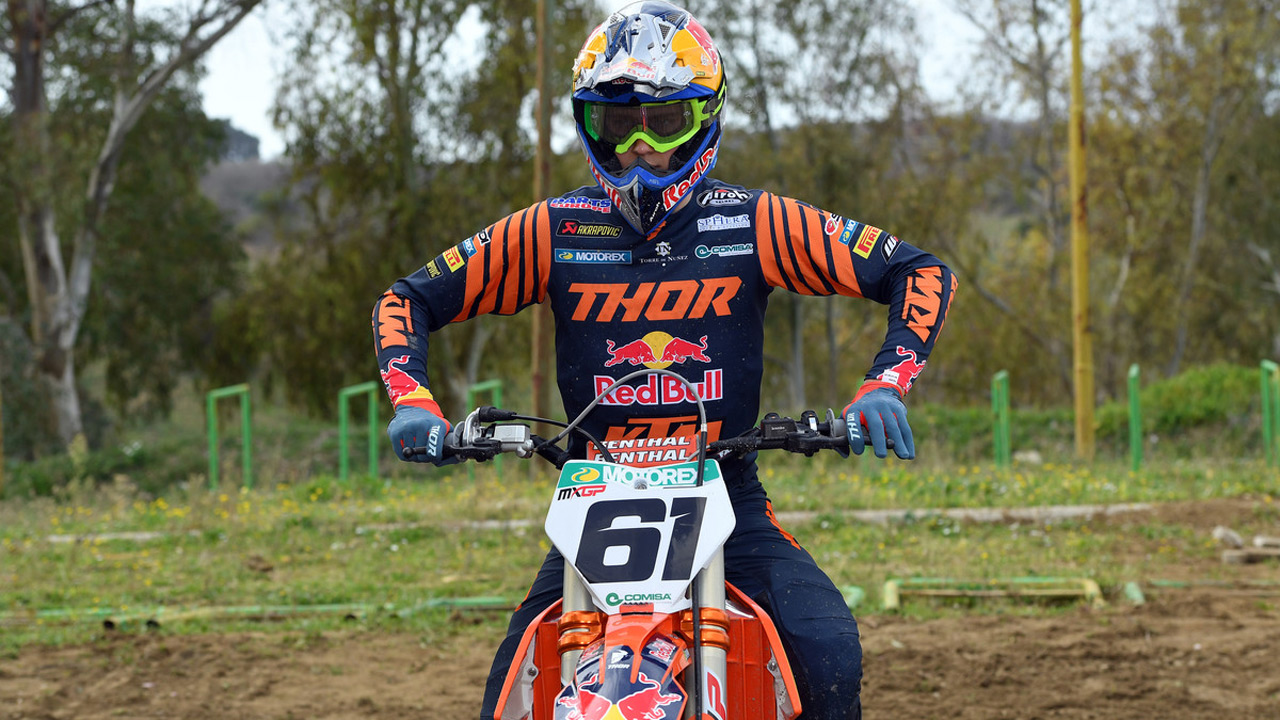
(657, 350)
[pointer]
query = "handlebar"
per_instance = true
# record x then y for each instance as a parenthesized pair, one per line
(488, 432)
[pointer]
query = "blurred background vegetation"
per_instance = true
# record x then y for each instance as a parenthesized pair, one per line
(215, 268)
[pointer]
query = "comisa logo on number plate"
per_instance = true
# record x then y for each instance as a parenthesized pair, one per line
(594, 257)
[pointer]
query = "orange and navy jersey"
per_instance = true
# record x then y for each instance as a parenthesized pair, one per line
(690, 299)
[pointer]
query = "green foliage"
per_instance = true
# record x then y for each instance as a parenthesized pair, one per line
(399, 154)
(52, 475)
(1208, 410)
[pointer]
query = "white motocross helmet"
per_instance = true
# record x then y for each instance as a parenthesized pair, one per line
(649, 72)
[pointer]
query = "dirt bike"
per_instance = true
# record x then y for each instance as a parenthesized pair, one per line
(648, 628)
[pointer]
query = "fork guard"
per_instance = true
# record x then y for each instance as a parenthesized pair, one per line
(760, 683)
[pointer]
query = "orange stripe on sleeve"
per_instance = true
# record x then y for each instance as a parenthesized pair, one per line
(845, 276)
(522, 224)
(820, 250)
(766, 250)
(497, 249)
(475, 281)
(539, 254)
(790, 211)
(805, 222)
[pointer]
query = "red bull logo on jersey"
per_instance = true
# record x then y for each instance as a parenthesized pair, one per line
(656, 350)
(657, 389)
(904, 373)
(400, 384)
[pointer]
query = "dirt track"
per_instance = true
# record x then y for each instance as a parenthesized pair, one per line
(1185, 654)
(1196, 652)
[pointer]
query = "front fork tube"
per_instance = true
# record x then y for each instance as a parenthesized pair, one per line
(711, 596)
(576, 599)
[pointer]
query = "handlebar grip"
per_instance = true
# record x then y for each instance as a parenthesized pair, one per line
(446, 452)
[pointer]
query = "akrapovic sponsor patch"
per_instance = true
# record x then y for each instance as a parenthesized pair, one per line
(576, 228)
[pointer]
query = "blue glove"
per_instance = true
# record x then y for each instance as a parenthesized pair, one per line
(414, 427)
(885, 417)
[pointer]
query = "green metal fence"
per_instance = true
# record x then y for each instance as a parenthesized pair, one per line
(1135, 419)
(1270, 385)
(344, 401)
(211, 418)
(1002, 437)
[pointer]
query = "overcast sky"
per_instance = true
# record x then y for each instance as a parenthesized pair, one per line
(244, 65)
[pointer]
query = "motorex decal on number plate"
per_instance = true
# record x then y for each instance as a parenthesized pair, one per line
(638, 535)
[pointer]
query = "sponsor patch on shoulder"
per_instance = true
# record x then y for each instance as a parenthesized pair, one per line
(433, 269)
(851, 228)
(581, 203)
(889, 247)
(867, 241)
(718, 223)
(453, 258)
(720, 197)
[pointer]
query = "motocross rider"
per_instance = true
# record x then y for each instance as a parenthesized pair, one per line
(660, 266)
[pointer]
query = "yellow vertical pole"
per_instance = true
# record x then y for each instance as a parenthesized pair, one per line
(542, 321)
(1082, 332)
(1, 444)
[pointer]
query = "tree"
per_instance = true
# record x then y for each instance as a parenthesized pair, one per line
(810, 75)
(58, 290)
(1185, 184)
(402, 146)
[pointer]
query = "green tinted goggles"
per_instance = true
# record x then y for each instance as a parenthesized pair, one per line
(664, 126)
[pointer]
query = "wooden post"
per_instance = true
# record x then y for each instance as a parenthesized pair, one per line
(1082, 331)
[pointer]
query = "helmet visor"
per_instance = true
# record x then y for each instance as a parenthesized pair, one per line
(663, 126)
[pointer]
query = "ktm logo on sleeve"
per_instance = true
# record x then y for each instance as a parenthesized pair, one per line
(923, 304)
(393, 321)
(667, 300)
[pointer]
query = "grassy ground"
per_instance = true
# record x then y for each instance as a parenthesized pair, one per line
(320, 553)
